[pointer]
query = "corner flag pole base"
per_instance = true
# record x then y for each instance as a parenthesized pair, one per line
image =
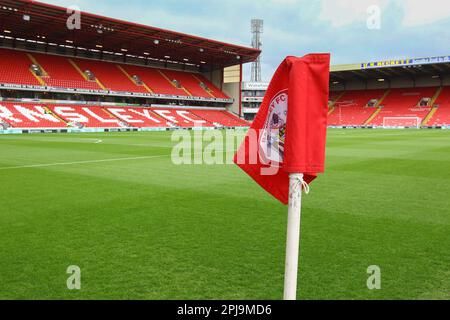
(296, 183)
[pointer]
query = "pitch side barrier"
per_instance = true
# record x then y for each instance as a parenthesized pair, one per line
(106, 130)
(103, 130)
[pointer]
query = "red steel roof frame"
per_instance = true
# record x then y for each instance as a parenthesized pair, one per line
(50, 21)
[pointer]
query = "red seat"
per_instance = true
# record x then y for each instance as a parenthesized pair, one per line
(139, 117)
(221, 117)
(403, 103)
(20, 115)
(188, 81)
(154, 80)
(15, 68)
(62, 74)
(181, 117)
(442, 115)
(351, 109)
(214, 90)
(109, 74)
(88, 116)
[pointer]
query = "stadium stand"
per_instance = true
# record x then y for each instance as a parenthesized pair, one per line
(221, 118)
(188, 82)
(20, 115)
(76, 73)
(60, 73)
(113, 74)
(139, 117)
(334, 96)
(196, 85)
(109, 76)
(181, 117)
(15, 68)
(216, 92)
(156, 81)
(87, 117)
(73, 73)
(441, 115)
(352, 107)
(404, 103)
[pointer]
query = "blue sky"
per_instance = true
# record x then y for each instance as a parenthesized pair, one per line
(408, 28)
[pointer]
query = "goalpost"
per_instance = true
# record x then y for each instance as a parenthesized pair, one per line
(401, 122)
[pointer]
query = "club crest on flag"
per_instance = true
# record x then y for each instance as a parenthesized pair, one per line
(288, 135)
(273, 134)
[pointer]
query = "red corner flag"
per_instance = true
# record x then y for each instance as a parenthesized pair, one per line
(289, 132)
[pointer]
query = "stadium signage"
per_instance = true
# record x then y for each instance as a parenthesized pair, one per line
(110, 93)
(405, 62)
(259, 86)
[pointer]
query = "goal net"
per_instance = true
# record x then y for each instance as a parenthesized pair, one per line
(401, 122)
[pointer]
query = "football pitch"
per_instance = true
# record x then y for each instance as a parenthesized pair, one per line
(140, 227)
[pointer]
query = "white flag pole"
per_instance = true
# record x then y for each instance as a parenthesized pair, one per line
(296, 184)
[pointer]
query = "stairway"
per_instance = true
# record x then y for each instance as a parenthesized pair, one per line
(73, 63)
(38, 78)
(200, 81)
(332, 108)
(429, 116)
(378, 108)
(49, 111)
(132, 80)
(182, 88)
(116, 117)
(434, 108)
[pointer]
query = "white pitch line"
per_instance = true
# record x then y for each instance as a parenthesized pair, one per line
(94, 161)
(81, 162)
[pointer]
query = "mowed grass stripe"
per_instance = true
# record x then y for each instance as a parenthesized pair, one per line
(148, 229)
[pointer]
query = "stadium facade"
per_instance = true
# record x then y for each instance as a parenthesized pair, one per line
(66, 70)
(69, 71)
(252, 96)
(406, 93)
(391, 94)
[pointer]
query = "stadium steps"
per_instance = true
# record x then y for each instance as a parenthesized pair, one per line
(236, 117)
(429, 115)
(385, 95)
(73, 63)
(209, 92)
(434, 108)
(115, 117)
(200, 116)
(132, 80)
(373, 116)
(378, 106)
(100, 84)
(38, 78)
(147, 87)
(170, 81)
(50, 111)
(339, 97)
(436, 96)
(7, 122)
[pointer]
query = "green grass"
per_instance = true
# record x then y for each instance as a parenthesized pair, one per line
(147, 229)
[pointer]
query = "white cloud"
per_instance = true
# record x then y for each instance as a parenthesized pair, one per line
(420, 12)
(344, 12)
(416, 12)
(284, 2)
